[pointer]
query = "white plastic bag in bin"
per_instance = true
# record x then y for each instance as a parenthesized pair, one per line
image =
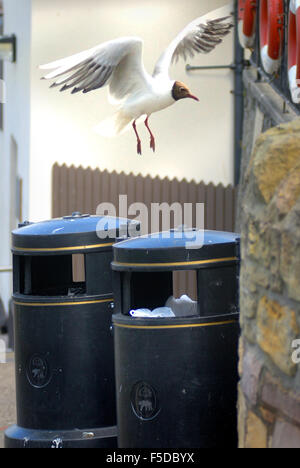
(183, 307)
(160, 312)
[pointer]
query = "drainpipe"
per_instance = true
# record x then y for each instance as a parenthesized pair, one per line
(238, 100)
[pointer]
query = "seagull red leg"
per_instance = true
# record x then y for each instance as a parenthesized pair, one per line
(139, 143)
(152, 139)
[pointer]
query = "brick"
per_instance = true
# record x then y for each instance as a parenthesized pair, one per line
(286, 435)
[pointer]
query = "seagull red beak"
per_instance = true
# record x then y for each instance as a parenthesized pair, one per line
(193, 97)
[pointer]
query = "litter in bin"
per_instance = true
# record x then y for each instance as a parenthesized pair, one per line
(161, 312)
(182, 307)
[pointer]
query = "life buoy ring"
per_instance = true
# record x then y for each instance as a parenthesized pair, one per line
(294, 51)
(246, 23)
(271, 34)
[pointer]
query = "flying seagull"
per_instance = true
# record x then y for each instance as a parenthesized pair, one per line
(118, 64)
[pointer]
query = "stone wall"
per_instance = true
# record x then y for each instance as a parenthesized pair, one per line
(263, 109)
(269, 390)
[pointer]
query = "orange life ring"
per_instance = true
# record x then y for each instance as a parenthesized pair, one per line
(246, 24)
(271, 34)
(294, 51)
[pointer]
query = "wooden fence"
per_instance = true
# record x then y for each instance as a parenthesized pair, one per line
(78, 189)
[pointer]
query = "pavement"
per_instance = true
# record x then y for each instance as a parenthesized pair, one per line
(7, 393)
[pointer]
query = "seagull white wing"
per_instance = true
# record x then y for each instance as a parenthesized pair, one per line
(202, 35)
(117, 63)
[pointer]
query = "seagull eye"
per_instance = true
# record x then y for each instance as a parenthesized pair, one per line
(182, 90)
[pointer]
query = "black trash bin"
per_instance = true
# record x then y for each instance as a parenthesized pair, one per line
(63, 303)
(177, 377)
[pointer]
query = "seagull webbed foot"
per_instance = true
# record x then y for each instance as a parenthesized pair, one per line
(152, 139)
(139, 143)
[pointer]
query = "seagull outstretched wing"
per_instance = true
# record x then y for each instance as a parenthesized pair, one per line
(117, 63)
(202, 35)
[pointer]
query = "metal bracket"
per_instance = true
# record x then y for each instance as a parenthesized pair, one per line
(212, 67)
(232, 66)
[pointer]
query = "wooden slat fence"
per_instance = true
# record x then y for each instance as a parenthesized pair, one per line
(79, 189)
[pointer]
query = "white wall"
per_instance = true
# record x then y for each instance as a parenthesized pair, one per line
(17, 19)
(194, 140)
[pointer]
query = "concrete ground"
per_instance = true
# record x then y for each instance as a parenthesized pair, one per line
(7, 394)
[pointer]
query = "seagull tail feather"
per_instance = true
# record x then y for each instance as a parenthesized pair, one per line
(114, 125)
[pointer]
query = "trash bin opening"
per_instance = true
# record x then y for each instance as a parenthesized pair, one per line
(146, 290)
(57, 275)
(153, 295)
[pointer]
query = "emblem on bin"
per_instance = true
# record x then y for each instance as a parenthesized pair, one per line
(38, 371)
(144, 401)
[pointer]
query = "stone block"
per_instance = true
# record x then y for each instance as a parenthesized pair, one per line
(277, 152)
(267, 415)
(252, 366)
(286, 435)
(256, 432)
(289, 191)
(248, 303)
(282, 400)
(254, 239)
(276, 329)
(241, 355)
(249, 329)
(290, 264)
(242, 412)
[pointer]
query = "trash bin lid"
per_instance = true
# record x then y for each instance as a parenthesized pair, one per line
(77, 232)
(176, 250)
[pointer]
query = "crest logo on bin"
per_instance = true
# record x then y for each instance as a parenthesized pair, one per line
(144, 401)
(38, 371)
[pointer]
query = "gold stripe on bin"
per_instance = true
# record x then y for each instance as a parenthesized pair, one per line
(6, 269)
(60, 249)
(52, 304)
(194, 263)
(165, 327)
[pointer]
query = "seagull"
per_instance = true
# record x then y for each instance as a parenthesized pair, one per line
(136, 94)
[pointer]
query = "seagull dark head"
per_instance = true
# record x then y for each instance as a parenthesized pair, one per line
(181, 91)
